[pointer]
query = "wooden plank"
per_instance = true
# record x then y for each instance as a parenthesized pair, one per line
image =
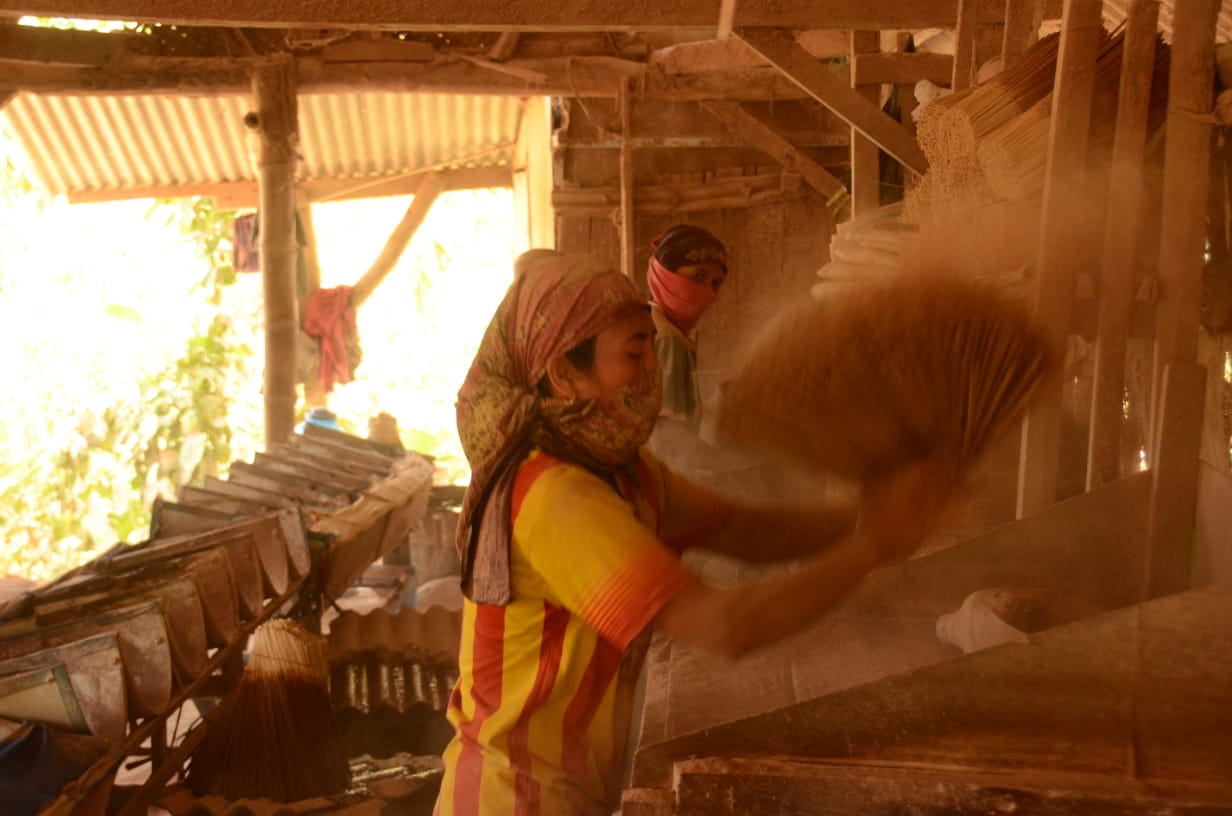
(628, 248)
(1091, 547)
(1124, 224)
(1061, 230)
(902, 68)
(399, 239)
(275, 121)
(576, 204)
(820, 83)
(771, 785)
(1182, 234)
(1135, 693)
(1023, 19)
(513, 15)
(865, 165)
(964, 45)
(765, 138)
(1174, 481)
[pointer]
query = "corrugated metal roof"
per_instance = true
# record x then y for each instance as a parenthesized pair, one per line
(100, 144)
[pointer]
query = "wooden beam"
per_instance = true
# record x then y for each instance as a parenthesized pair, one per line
(1123, 227)
(274, 119)
(1062, 235)
(1174, 481)
(504, 46)
(401, 236)
(1182, 233)
(964, 45)
(733, 192)
(238, 195)
(627, 223)
(902, 68)
(865, 162)
(819, 82)
(1023, 19)
(769, 141)
(512, 15)
(54, 46)
(586, 77)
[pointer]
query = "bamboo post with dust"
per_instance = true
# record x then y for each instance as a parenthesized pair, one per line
(1122, 228)
(274, 121)
(1063, 233)
(275, 736)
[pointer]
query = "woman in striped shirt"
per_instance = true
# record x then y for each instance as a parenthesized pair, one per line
(571, 535)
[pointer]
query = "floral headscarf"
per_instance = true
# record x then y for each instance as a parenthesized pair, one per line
(502, 415)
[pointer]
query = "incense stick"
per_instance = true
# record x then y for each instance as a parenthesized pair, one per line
(276, 738)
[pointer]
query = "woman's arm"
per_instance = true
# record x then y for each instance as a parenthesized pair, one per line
(897, 513)
(697, 517)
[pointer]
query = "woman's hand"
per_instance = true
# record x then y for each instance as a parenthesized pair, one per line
(902, 507)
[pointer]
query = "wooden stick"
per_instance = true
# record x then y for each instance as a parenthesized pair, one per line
(1061, 230)
(865, 168)
(399, 239)
(964, 46)
(1124, 225)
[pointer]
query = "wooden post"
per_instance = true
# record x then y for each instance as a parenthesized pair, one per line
(1062, 234)
(314, 395)
(532, 176)
(1174, 480)
(1125, 223)
(273, 84)
(628, 251)
(964, 45)
(1182, 234)
(865, 170)
(906, 91)
(428, 190)
(1023, 19)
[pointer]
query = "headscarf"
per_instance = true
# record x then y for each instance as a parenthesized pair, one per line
(683, 300)
(502, 415)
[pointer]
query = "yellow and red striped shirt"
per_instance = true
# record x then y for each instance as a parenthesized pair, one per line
(542, 706)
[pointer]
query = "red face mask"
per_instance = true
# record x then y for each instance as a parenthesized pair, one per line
(683, 300)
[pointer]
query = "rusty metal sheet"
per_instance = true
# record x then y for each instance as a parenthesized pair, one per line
(142, 633)
(95, 685)
(181, 605)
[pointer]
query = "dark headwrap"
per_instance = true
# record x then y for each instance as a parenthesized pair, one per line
(684, 301)
(686, 244)
(502, 415)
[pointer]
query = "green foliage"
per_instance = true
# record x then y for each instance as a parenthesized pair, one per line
(95, 484)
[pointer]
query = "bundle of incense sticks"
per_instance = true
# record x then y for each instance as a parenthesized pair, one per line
(879, 374)
(275, 737)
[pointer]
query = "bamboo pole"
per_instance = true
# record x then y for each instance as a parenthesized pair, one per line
(965, 28)
(1023, 19)
(865, 170)
(1179, 382)
(273, 85)
(401, 236)
(1186, 177)
(314, 395)
(1124, 225)
(1061, 236)
(627, 224)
